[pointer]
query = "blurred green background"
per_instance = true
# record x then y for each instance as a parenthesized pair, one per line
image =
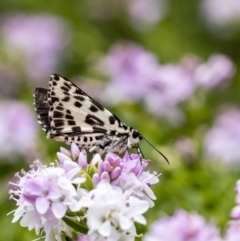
(38, 38)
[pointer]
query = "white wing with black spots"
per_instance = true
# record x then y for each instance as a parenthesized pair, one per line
(68, 114)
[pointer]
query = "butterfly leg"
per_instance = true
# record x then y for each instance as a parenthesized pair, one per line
(129, 153)
(139, 151)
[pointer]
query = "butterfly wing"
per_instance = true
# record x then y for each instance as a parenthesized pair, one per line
(66, 113)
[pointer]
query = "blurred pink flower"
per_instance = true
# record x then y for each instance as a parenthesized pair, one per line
(39, 40)
(232, 233)
(135, 75)
(217, 71)
(18, 128)
(235, 212)
(130, 68)
(83, 238)
(155, 9)
(182, 226)
(170, 85)
(186, 148)
(222, 141)
(221, 13)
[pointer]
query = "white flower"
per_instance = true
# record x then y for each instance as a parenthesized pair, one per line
(112, 212)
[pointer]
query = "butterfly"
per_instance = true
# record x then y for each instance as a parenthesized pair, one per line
(68, 114)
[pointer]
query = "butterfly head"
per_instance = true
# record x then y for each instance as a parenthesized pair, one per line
(134, 137)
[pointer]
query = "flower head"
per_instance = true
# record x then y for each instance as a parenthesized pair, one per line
(137, 9)
(233, 232)
(22, 33)
(219, 14)
(182, 226)
(217, 71)
(222, 141)
(96, 196)
(18, 128)
(43, 196)
(112, 212)
(128, 66)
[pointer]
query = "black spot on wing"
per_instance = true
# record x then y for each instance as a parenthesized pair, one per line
(93, 120)
(58, 123)
(65, 93)
(113, 133)
(93, 108)
(76, 129)
(111, 120)
(57, 114)
(54, 99)
(66, 99)
(71, 123)
(56, 77)
(99, 106)
(69, 117)
(64, 88)
(77, 104)
(78, 91)
(79, 97)
(67, 85)
(98, 129)
(85, 139)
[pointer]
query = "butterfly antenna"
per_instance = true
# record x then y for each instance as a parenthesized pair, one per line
(156, 150)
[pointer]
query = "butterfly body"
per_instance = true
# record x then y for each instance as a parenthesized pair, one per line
(68, 114)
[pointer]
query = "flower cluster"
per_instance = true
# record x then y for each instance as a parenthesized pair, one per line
(182, 226)
(235, 213)
(101, 199)
(18, 129)
(221, 14)
(138, 76)
(232, 233)
(106, 10)
(137, 9)
(22, 33)
(222, 141)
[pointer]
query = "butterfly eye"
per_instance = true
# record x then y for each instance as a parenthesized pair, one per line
(136, 134)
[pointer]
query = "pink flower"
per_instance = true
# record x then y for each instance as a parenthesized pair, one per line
(155, 9)
(182, 226)
(222, 141)
(38, 40)
(18, 128)
(221, 13)
(233, 232)
(130, 68)
(235, 212)
(217, 71)
(186, 148)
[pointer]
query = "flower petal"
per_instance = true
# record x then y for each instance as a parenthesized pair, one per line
(59, 209)
(105, 229)
(42, 205)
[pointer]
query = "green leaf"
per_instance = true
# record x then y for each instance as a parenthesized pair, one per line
(74, 224)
